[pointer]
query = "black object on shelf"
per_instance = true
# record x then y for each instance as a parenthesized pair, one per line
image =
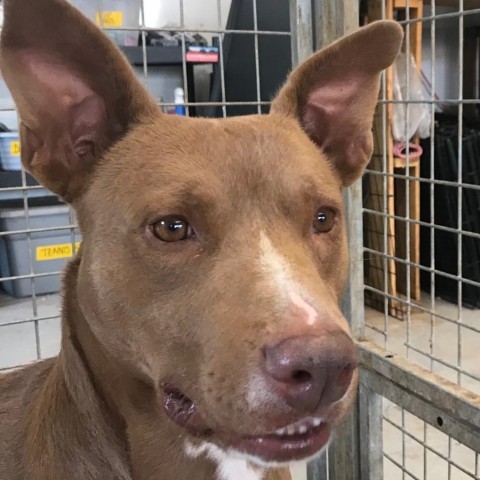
(274, 57)
(446, 204)
(156, 56)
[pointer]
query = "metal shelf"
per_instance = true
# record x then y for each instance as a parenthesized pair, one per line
(156, 56)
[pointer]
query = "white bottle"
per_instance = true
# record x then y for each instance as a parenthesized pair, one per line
(179, 101)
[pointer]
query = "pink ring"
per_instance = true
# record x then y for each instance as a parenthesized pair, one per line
(400, 150)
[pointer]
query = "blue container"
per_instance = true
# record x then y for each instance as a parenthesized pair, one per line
(10, 151)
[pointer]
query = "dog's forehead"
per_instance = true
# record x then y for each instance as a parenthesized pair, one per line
(222, 141)
(218, 158)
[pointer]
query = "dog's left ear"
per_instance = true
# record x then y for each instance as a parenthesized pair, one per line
(333, 95)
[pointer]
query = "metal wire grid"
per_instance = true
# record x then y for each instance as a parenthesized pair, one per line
(451, 360)
(439, 336)
(33, 312)
(415, 450)
(382, 332)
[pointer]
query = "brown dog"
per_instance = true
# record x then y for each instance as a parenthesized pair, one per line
(201, 333)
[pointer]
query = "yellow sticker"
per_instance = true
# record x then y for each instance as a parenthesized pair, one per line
(15, 149)
(55, 252)
(110, 19)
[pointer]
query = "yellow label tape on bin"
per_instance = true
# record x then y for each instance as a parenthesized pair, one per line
(55, 252)
(15, 148)
(110, 19)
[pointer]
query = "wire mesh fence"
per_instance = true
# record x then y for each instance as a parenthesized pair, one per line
(422, 232)
(414, 449)
(421, 212)
(421, 216)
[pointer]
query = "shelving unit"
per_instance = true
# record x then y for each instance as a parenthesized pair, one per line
(171, 56)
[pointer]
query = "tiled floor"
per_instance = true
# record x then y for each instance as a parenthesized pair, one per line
(18, 346)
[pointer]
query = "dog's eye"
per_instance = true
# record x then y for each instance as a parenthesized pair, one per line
(172, 229)
(324, 220)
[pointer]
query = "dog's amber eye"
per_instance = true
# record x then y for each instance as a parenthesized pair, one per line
(172, 229)
(324, 220)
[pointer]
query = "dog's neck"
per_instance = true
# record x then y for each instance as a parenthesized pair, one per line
(128, 431)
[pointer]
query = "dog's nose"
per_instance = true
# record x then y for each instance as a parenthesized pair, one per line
(309, 372)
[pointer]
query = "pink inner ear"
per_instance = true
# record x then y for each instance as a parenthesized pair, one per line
(62, 100)
(337, 122)
(88, 121)
(327, 114)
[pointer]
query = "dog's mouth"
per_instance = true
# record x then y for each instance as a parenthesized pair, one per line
(293, 442)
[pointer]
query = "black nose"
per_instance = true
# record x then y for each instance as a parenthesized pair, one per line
(312, 371)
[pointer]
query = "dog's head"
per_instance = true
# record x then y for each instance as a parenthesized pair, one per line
(214, 251)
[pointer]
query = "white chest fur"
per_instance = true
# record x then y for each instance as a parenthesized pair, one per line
(236, 469)
(228, 467)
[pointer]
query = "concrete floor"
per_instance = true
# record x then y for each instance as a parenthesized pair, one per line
(452, 344)
(18, 346)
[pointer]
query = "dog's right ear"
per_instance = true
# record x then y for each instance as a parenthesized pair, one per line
(75, 92)
(333, 95)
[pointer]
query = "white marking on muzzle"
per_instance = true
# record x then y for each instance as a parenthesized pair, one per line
(228, 467)
(299, 302)
(278, 271)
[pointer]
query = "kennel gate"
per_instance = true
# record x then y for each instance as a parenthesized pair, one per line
(411, 396)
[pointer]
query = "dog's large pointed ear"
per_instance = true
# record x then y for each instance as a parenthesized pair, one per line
(74, 90)
(333, 95)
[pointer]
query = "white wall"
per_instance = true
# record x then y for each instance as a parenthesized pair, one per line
(201, 14)
(446, 51)
(446, 54)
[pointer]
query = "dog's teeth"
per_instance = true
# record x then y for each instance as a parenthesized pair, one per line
(299, 428)
(290, 430)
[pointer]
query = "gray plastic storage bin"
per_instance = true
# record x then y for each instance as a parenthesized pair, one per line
(49, 250)
(10, 151)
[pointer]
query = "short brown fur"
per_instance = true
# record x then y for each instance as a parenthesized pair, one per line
(138, 313)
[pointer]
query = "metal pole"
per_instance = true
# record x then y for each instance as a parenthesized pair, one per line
(302, 41)
(333, 19)
(301, 27)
